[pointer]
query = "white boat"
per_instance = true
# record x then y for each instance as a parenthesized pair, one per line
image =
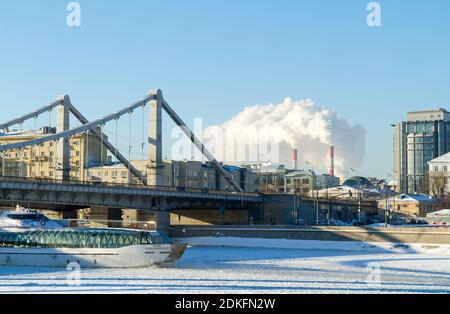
(28, 238)
(24, 219)
(90, 248)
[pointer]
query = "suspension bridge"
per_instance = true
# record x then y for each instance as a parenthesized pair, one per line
(63, 192)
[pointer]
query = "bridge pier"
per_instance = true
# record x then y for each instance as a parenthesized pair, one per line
(163, 221)
(100, 217)
(63, 147)
(103, 215)
(155, 177)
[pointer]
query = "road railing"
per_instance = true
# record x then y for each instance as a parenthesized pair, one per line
(103, 224)
(121, 185)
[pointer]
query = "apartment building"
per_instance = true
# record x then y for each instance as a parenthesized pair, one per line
(40, 161)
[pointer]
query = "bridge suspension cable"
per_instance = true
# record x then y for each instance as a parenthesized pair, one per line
(143, 143)
(78, 130)
(31, 115)
(92, 126)
(112, 148)
(183, 126)
(129, 142)
(67, 134)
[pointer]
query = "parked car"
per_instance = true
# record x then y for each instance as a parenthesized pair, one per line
(373, 221)
(337, 223)
(414, 221)
(398, 221)
(356, 223)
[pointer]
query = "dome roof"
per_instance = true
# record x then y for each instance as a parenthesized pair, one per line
(355, 182)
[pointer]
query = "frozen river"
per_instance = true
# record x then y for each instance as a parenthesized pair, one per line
(291, 267)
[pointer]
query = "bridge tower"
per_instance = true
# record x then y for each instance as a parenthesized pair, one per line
(63, 147)
(155, 177)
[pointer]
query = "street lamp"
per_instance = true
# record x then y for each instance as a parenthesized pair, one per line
(267, 160)
(316, 200)
(359, 194)
(395, 188)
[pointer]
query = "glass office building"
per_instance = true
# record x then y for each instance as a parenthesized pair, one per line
(424, 136)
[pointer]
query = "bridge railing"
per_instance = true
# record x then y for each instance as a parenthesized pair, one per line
(126, 185)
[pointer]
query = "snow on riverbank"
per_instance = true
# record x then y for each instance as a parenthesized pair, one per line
(362, 247)
(230, 265)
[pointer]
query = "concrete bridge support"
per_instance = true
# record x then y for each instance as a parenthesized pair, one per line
(163, 221)
(63, 147)
(155, 177)
(102, 215)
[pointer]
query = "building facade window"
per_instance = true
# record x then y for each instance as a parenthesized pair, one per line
(417, 142)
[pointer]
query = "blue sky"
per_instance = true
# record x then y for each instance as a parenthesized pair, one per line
(214, 57)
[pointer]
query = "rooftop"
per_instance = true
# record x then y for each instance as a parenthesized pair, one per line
(300, 173)
(27, 133)
(428, 115)
(356, 182)
(429, 111)
(414, 198)
(233, 168)
(440, 213)
(444, 158)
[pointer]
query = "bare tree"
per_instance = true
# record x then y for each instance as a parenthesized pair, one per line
(437, 184)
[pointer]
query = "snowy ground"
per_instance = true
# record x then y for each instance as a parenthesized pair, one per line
(227, 265)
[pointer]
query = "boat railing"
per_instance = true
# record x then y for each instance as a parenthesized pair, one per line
(101, 224)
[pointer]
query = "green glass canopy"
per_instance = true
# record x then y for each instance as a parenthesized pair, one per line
(80, 238)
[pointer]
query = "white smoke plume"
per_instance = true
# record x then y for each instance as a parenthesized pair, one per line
(291, 124)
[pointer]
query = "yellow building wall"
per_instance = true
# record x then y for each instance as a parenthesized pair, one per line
(209, 217)
(408, 208)
(40, 161)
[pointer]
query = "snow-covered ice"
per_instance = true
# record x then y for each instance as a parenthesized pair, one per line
(232, 265)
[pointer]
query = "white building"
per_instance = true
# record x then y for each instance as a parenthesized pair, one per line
(441, 213)
(440, 175)
(306, 181)
(299, 182)
(326, 181)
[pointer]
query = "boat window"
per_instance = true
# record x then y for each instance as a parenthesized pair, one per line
(147, 238)
(166, 238)
(158, 239)
(33, 217)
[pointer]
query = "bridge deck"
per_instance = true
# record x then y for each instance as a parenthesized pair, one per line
(113, 195)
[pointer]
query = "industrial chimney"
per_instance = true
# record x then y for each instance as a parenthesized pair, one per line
(295, 159)
(331, 172)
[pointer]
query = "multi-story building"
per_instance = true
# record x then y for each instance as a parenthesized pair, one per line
(177, 174)
(270, 177)
(425, 135)
(194, 175)
(247, 179)
(326, 181)
(299, 182)
(440, 175)
(89, 162)
(40, 161)
(304, 182)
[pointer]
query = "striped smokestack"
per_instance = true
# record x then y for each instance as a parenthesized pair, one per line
(331, 171)
(295, 159)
